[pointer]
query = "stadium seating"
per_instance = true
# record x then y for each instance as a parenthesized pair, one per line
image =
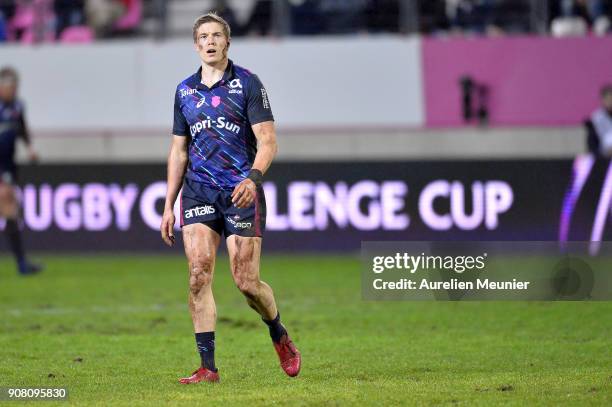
(32, 19)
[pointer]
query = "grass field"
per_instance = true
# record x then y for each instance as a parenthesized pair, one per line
(115, 330)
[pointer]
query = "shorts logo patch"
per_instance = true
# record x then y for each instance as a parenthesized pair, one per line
(240, 225)
(199, 211)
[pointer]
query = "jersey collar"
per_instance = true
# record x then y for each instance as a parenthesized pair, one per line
(227, 76)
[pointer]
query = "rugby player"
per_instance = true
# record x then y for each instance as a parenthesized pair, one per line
(12, 127)
(224, 140)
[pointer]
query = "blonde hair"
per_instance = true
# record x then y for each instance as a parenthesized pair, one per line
(211, 17)
(8, 73)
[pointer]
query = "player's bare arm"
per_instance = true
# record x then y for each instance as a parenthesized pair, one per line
(177, 163)
(27, 140)
(244, 193)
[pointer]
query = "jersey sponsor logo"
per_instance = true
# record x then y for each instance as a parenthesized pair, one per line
(236, 86)
(201, 102)
(220, 123)
(216, 101)
(264, 99)
(199, 211)
(187, 92)
(239, 225)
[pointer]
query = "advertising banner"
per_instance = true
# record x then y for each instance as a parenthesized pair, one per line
(329, 206)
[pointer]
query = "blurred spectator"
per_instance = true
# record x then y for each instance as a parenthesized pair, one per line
(342, 16)
(3, 35)
(306, 17)
(432, 16)
(260, 20)
(473, 16)
(599, 126)
(225, 11)
(33, 21)
(68, 13)
(590, 10)
(7, 9)
(383, 15)
(575, 17)
(102, 14)
(159, 10)
(510, 16)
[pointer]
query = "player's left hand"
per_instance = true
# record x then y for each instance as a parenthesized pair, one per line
(244, 194)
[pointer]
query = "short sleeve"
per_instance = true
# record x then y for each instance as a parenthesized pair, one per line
(180, 126)
(258, 104)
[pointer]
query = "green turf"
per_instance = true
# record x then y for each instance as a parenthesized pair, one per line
(116, 331)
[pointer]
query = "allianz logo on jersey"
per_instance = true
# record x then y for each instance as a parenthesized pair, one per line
(220, 122)
(239, 225)
(199, 211)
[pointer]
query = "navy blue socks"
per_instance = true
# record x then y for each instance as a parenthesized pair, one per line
(13, 236)
(206, 346)
(277, 330)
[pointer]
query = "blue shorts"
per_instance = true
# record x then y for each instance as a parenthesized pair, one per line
(214, 208)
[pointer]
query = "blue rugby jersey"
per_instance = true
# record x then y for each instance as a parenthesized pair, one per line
(218, 120)
(12, 126)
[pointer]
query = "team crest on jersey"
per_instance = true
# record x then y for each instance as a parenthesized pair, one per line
(216, 101)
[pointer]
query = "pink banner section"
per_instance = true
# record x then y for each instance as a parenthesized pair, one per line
(531, 81)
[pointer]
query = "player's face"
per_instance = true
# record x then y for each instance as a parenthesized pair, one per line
(211, 43)
(8, 89)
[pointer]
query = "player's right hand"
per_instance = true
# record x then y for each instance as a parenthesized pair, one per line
(167, 227)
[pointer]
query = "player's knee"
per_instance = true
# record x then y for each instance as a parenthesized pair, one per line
(248, 287)
(200, 276)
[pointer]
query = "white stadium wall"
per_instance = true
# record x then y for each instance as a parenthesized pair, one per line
(343, 98)
(352, 82)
